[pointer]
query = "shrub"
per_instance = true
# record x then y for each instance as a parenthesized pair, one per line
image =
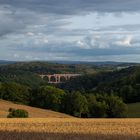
(17, 113)
(11, 109)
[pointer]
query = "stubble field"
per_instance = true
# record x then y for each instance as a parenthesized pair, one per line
(69, 129)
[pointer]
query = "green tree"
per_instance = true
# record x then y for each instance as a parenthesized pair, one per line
(49, 97)
(75, 104)
(97, 109)
(115, 107)
(126, 93)
(15, 92)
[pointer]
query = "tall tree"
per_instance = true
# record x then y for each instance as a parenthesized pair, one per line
(49, 97)
(75, 104)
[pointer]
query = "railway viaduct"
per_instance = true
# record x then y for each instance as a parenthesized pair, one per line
(58, 77)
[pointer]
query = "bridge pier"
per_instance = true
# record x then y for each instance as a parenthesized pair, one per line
(49, 78)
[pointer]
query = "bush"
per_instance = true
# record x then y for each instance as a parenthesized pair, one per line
(11, 109)
(17, 113)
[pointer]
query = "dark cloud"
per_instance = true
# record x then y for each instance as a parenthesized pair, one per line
(75, 6)
(18, 14)
(41, 27)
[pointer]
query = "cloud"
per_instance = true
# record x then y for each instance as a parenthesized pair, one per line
(30, 34)
(125, 42)
(69, 29)
(72, 6)
(19, 15)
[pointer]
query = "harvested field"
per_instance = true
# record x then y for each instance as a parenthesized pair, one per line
(33, 111)
(69, 129)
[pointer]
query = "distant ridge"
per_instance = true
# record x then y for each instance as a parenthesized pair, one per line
(4, 62)
(96, 63)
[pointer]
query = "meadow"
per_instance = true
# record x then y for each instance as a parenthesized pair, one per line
(69, 129)
(134, 110)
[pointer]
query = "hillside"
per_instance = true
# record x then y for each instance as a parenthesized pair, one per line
(26, 73)
(124, 83)
(33, 112)
(134, 110)
(20, 83)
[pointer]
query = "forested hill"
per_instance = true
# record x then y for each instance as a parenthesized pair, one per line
(93, 94)
(124, 83)
(26, 73)
(47, 67)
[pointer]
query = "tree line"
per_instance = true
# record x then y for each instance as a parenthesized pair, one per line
(74, 103)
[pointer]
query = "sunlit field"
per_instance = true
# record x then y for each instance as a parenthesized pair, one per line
(69, 129)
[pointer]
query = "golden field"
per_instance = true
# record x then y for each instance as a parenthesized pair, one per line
(69, 129)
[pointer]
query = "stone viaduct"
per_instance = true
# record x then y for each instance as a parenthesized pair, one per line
(58, 77)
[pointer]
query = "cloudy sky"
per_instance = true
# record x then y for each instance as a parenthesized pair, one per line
(79, 30)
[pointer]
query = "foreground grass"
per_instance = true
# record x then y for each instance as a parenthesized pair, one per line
(69, 129)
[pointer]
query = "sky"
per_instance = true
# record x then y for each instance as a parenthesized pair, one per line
(73, 30)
